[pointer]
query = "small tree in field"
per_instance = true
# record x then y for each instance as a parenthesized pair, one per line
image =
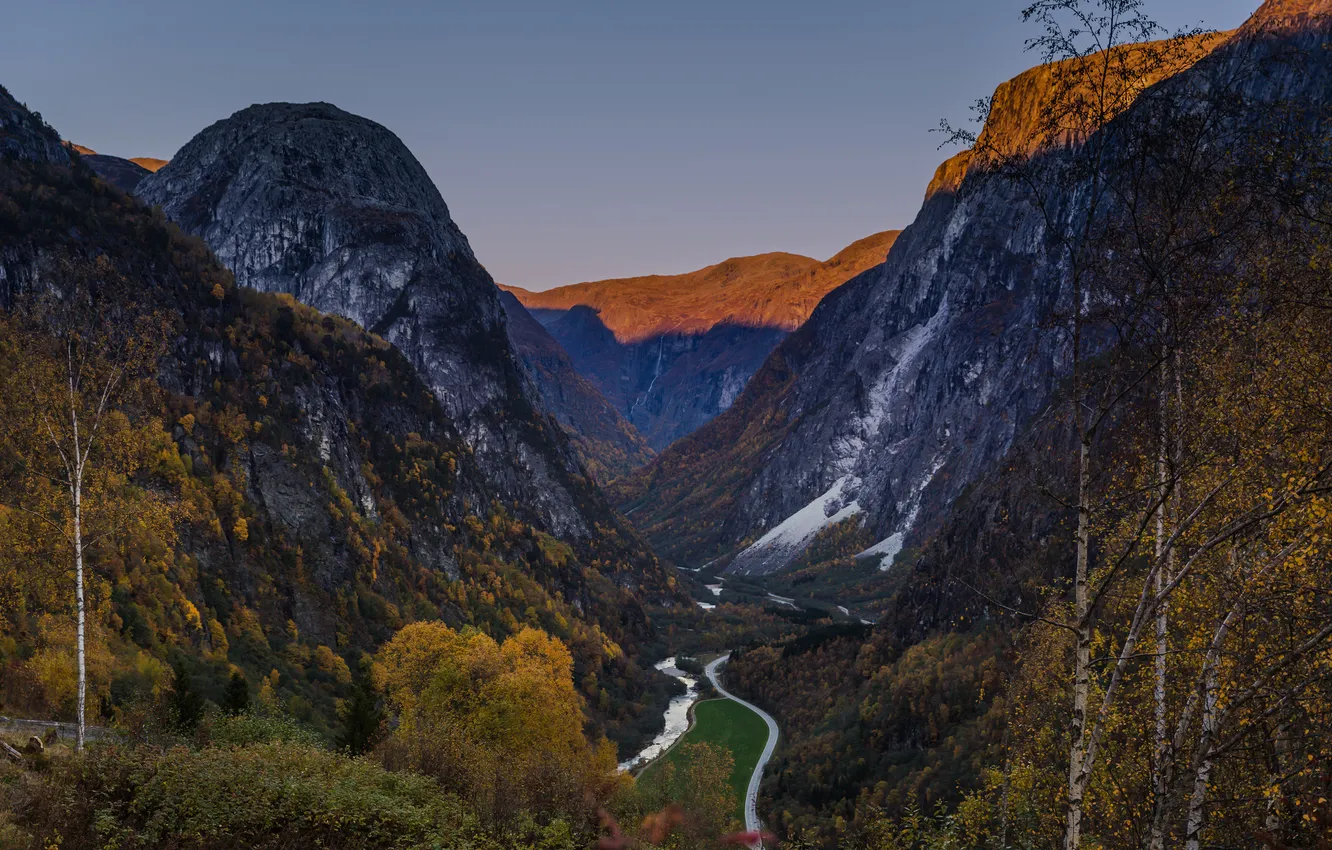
(79, 358)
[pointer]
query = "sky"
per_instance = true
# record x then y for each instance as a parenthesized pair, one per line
(572, 139)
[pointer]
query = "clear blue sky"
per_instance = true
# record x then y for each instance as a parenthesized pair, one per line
(572, 139)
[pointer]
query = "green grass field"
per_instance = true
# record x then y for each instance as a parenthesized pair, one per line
(729, 725)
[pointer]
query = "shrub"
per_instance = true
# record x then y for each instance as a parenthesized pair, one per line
(261, 797)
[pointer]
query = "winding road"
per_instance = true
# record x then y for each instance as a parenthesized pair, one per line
(752, 822)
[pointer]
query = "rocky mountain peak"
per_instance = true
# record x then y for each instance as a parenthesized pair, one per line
(333, 209)
(1284, 15)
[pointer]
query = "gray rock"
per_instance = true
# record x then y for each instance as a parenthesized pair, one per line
(910, 382)
(24, 135)
(332, 209)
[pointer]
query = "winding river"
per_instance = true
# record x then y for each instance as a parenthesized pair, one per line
(677, 717)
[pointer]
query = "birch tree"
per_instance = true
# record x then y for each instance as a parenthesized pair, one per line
(83, 354)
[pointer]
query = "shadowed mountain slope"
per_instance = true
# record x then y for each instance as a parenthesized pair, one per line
(333, 209)
(673, 351)
(904, 386)
(607, 444)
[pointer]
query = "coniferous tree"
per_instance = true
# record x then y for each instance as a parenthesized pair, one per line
(362, 716)
(236, 697)
(187, 705)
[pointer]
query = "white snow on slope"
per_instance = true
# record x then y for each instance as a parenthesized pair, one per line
(792, 534)
(906, 349)
(890, 547)
(886, 549)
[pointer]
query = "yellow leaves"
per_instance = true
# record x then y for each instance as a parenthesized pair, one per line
(241, 530)
(217, 637)
(332, 664)
(489, 706)
(219, 293)
(192, 618)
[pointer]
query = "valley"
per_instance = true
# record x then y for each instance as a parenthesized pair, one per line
(670, 352)
(1004, 529)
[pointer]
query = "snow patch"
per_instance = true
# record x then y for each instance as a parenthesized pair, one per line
(886, 550)
(706, 606)
(890, 547)
(905, 349)
(794, 533)
(782, 600)
(715, 588)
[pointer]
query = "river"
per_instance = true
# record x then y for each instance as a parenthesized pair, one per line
(677, 717)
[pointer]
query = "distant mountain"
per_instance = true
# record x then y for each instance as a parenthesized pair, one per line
(606, 443)
(118, 171)
(334, 210)
(149, 163)
(673, 351)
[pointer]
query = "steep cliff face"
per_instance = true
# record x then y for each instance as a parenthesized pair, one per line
(606, 443)
(907, 383)
(673, 351)
(333, 209)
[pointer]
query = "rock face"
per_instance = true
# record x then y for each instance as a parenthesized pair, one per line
(907, 383)
(332, 209)
(125, 174)
(673, 351)
(608, 445)
(24, 135)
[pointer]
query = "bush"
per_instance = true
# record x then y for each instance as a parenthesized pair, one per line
(262, 797)
(246, 729)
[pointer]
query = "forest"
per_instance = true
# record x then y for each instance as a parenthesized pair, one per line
(255, 568)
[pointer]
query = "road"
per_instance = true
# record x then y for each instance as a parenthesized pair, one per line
(752, 822)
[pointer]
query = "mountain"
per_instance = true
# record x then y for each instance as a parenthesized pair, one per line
(673, 351)
(334, 210)
(122, 173)
(930, 701)
(905, 385)
(323, 494)
(608, 446)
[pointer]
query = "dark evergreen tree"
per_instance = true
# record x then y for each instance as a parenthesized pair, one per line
(236, 697)
(187, 705)
(362, 716)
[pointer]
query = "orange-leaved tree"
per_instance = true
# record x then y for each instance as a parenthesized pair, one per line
(501, 724)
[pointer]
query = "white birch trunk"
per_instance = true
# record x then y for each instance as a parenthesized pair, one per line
(1077, 773)
(1203, 773)
(1156, 840)
(82, 614)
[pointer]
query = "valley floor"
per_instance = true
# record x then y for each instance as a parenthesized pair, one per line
(740, 729)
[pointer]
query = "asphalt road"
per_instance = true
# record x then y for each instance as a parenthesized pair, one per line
(752, 823)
